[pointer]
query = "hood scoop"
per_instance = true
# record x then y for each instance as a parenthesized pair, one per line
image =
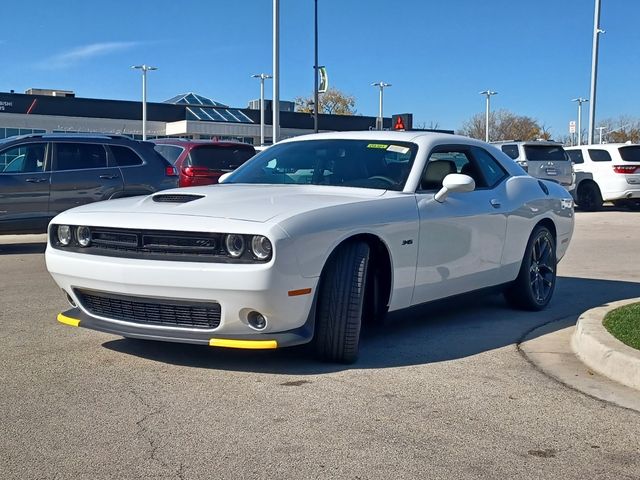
(176, 198)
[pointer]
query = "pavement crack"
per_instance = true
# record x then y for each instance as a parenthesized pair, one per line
(145, 432)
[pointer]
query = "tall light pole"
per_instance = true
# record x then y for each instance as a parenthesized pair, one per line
(262, 77)
(315, 70)
(600, 129)
(381, 86)
(488, 94)
(275, 103)
(580, 101)
(594, 70)
(145, 69)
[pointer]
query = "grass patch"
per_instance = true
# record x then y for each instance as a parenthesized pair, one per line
(624, 324)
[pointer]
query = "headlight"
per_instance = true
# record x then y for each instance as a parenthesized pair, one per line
(261, 247)
(64, 234)
(234, 244)
(83, 235)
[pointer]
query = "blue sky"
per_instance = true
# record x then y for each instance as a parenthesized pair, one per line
(437, 54)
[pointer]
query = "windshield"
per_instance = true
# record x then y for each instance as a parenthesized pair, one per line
(220, 157)
(630, 154)
(375, 164)
(545, 153)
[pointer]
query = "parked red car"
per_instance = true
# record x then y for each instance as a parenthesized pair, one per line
(202, 162)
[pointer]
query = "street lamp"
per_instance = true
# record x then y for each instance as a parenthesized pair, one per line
(262, 77)
(145, 69)
(594, 70)
(488, 94)
(381, 86)
(580, 101)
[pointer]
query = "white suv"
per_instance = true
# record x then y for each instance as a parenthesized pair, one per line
(606, 173)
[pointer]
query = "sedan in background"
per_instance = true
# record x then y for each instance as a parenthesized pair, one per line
(202, 162)
(311, 239)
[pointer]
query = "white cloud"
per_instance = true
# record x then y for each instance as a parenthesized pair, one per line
(86, 52)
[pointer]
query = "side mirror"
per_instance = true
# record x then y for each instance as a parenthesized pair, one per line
(455, 182)
(223, 177)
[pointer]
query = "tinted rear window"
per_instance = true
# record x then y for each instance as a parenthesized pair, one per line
(630, 154)
(544, 153)
(575, 156)
(170, 152)
(220, 157)
(125, 157)
(511, 150)
(598, 155)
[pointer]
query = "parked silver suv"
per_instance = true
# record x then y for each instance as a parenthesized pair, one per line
(42, 175)
(542, 159)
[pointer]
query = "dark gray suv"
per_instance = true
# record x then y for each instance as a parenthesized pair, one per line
(42, 175)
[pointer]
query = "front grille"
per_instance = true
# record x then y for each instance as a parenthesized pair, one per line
(176, 198)
(151, 311)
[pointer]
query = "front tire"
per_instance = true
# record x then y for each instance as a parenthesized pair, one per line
(339, 315)
(536, 281)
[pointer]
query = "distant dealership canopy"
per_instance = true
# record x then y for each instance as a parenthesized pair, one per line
(206, 110)
(195, 100)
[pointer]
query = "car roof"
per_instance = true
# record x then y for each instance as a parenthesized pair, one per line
(604, 145)
(188, 142)
(527, 142)
(390, 135)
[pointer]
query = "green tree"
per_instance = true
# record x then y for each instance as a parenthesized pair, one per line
(333, 101)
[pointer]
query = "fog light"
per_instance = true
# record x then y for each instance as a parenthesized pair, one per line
(70, 300)
(83, 235)
(64, 234)
(257, 320)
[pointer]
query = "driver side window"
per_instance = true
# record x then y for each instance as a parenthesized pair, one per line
(28, 158)
(444, 161)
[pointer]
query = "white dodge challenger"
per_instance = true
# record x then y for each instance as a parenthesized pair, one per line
(309, 240)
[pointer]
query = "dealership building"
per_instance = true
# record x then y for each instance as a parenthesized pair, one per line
(186, 116)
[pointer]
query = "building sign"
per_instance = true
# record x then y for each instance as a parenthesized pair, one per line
(5, 105)
(402, 121)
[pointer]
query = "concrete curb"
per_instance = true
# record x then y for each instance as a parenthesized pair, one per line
(603, 353)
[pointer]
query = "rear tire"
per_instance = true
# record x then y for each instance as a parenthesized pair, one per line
(589, 197)
(536, 281)
(339, 314)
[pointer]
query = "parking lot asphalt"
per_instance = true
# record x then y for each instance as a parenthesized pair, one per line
(441, 393)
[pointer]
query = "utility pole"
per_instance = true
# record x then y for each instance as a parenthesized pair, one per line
(262, 77)
(145, 69)
(275, 103)
(315, 71)
(488, 94)
(594, 70)
(580, 101)
(381, 86)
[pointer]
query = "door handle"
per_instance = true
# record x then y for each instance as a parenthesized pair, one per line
(35, 180)
(108, 177)
(495, 203)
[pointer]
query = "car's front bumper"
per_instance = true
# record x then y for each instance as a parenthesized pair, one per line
(276, 290)
(75, 317)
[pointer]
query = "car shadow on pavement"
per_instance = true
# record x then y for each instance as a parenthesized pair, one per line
(22, 248)
(442, 331)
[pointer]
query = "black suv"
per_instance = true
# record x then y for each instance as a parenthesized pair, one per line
(42, 175)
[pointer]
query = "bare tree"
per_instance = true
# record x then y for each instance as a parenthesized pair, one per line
(504, 125)
(333, 101)
(623, 128)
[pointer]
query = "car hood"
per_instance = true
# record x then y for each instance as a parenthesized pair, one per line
(252, 203)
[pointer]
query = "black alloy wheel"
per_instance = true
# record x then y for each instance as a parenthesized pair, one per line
(536, 281)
